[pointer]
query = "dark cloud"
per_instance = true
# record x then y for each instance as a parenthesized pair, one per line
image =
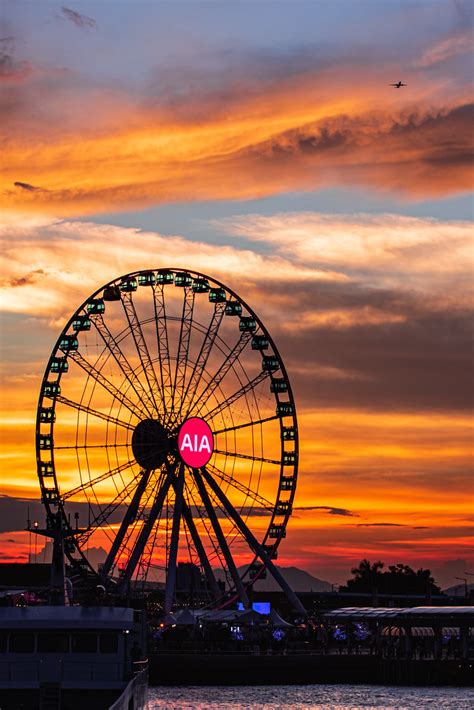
(26, 186)
(82, 21)
(324, 140)
(14, 558)
(392, 525)
(255, 511)
(422, 361)
(30, 278)
(381, 525)
(329, 509)
(14, 513)
(340, 147)
(12, 69)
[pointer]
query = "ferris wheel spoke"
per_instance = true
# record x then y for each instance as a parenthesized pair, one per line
(95, 481)
(264, 502)
(146, 560)
(183, 350)
(178, 484)
(106, 384)
(146, 530)
(105, 513)
(252, 541)
(124, 365)
(162, 344)
(127, 520)
(91, 446)
(205, 522)
(257, 422)
(142, 350)
(188, 519)
(202, 358)
(93, 412)
(126, 549)
(251, 384)
(228, 363)
(204, 495)
(154, 483)
(236, 455)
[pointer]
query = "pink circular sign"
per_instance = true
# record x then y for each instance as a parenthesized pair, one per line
(195, 442)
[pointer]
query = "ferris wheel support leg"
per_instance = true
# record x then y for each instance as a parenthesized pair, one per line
(188, 518)
(145, 533)
(221, 539)
(253, 542)
(173, 553)
(128, 518)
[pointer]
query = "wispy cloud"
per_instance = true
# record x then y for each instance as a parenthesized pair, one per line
(447, 48)
(381, 525)
(387, 251)
(26, 186)
(236, 126)
(12, 70)
(27, 279)
(82, 21)
(71, 273)
(330, 510)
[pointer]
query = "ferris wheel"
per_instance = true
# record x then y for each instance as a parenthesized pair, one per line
(167, 418)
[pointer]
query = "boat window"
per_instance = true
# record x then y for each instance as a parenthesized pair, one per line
(3, 643)
(108, 643)
(53, 643)
(83, 643)
(22, 643)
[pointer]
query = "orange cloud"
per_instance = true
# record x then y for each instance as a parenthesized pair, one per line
(380, 393)
(246, 137)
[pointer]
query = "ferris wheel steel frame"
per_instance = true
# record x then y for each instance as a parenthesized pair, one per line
(166, 389)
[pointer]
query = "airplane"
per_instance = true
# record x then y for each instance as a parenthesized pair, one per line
(398, 84)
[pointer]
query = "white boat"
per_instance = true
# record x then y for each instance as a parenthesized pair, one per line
(70, 657)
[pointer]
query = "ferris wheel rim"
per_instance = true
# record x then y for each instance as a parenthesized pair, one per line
(289, 394)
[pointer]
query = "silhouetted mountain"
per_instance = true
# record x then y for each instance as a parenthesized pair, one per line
(298, 579)
(95, 555)
(457, 590)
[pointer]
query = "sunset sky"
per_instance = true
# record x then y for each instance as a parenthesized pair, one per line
(261, 143)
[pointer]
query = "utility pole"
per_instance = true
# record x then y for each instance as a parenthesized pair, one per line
(58, 532)
(463, 579)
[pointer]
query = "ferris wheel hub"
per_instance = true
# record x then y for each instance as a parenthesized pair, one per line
(150, 443)
(195, 442)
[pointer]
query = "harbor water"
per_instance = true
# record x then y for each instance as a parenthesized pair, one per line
(314, 697)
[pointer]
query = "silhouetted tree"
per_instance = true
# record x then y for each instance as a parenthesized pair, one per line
(398, 579)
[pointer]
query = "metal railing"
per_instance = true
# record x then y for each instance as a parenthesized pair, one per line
(135, 691)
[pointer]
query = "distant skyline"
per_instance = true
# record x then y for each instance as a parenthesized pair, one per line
(262, 143)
